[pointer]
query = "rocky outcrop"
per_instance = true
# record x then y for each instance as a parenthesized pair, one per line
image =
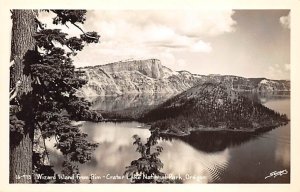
(151, 68)
(150, 76)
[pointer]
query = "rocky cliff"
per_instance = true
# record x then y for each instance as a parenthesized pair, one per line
(150, 76)
(142, 76)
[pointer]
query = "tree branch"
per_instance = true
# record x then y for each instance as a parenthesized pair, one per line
(45, 152)
(70, 48)
(38, 80)
(84, 32)
(39, 24)
(12, 63)
(45, 147)
(56, 138)
(14, 93)
(69, 85)
(11, 91)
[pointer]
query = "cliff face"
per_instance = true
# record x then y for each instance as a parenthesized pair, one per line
(150, 76)
(143, 76)
(151, 68)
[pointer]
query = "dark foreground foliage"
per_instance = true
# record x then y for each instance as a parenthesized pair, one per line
(51, 105)
(146, 169)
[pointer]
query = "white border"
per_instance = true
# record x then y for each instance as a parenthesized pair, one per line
(294, 5)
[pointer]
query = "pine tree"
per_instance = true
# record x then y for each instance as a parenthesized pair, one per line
(43, 83)
(146, 169)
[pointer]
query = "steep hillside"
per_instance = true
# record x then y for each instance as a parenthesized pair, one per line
(212, 106)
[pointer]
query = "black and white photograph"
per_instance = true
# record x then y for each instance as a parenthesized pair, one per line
(149, 96)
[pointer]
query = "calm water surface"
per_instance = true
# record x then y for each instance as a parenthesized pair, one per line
(204, 157)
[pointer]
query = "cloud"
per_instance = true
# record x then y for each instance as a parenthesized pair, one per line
(184, 22)
(160, 26)
(285, 21)
(201, 46)
(47, 18)
(156, 33)
(143, 34)
(277, 71)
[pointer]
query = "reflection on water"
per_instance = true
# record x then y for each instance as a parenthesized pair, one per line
(114, 153)
(112, 103)
(202, 157)
(215, 141)
(195, 166)
(127, 106)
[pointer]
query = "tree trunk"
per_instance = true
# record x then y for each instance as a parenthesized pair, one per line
(23, 28)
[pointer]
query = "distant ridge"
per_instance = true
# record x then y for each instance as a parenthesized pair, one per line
(150, 76)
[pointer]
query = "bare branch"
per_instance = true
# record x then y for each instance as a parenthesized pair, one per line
(13, 96)
(16, 90)
(38, 80)
(12, 63)
(11, 91)
(84, 32)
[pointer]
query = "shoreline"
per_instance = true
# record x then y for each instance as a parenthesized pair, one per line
(211, 129)
(201, 128)
(198, 129)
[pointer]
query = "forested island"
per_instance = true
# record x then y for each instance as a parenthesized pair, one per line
(204, 107)
(212, 107)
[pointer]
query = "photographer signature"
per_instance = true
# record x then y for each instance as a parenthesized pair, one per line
(274, 174)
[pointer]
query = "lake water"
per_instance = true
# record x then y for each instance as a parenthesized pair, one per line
(198, 158)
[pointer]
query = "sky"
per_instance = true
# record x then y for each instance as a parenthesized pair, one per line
(248, 43)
